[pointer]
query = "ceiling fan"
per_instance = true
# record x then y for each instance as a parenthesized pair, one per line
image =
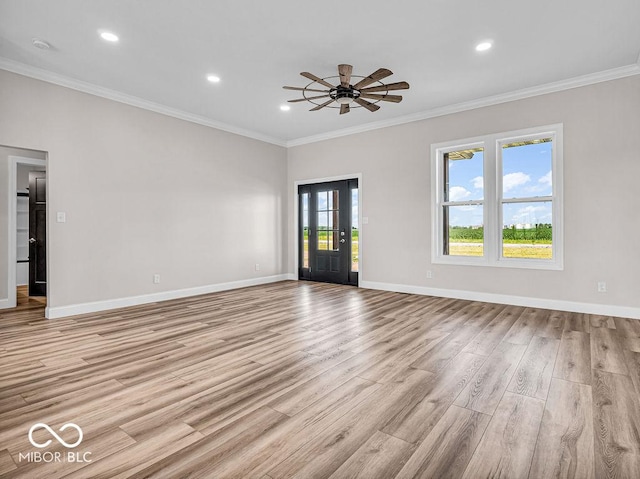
(344, 94)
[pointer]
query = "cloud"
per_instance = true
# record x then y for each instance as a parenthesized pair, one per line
(457, 193)
(532, 214)
(513, 180)
(478, 182)
(546, 179)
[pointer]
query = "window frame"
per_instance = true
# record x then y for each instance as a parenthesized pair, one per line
(493, 199)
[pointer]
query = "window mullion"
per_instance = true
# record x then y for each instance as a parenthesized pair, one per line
(533, 199)
(491, 202)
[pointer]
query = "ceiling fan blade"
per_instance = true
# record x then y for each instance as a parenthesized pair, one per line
(345, 74)
(366, 104)
(344, 109)
(308, 98)
(401, 85)
(316, 79)
(322, 106)
(393, 98)
(296, 88)
(379, 74)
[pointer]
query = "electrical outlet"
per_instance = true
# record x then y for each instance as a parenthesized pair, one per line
(429, 274)
(156, 279)
(257, 266)
(602, 287)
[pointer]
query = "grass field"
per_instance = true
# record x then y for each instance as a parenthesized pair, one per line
(511, 250)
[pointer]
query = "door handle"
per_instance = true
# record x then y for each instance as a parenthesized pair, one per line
(343, 240)
(32, 240)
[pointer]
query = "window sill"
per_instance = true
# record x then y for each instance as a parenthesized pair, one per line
(551, 265)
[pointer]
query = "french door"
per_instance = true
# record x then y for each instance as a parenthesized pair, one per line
(328, 232)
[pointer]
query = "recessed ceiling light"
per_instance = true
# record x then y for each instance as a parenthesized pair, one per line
(484, 46)
(109, 36)
(213, 78)
(285, 107)
(41, 44)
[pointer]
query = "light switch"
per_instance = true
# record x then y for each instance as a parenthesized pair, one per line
(61, 217)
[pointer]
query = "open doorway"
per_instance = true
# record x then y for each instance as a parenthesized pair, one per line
(26, 278)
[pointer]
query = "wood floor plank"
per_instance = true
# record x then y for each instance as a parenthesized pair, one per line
(11, 403)
(565, 442)
(574, 357)
(487, 340)
(303, 379)
(598, 321)
(607, 351)
(325, 454)
(6, 462)
(485, 389)
(632, 344)
(381, 456)
(616, 422)
(438, 357)
(506, 449)
(628, 328)
(200, 458)
(415, 420)
(400, 355)
(447, 449)
(553, 326)
(136, 457)
(276, 445)
(577, 322)
(533, 376)
(633, 364)
(308, 393)
(526, 326)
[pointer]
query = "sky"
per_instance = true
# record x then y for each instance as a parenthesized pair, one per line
(323, 200)
(526, 173)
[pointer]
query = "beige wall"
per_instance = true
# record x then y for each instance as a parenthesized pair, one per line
(144, 194)
(601, 200)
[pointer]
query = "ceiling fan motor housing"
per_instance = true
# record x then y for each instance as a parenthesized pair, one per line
(344, 95)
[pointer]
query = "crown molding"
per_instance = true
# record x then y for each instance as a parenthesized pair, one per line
(85, 87)
(584, 80)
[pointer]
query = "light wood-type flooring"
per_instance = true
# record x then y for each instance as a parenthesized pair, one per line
(310, 380)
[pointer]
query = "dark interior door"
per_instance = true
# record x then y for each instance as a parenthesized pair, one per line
(37, 233)
(325, 232)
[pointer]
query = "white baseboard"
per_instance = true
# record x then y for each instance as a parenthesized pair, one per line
(84, 308)
(573, 306)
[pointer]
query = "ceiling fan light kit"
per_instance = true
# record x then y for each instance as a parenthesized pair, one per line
(344, 94)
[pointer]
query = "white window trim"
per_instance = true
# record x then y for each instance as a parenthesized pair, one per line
(492, 202)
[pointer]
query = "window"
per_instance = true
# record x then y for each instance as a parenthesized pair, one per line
(355, 230)
(305, 230)
(497, 200)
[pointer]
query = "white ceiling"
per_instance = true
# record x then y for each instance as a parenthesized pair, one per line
(167, 47)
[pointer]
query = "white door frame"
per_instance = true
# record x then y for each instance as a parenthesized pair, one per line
(14, 161)
(312, 181)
